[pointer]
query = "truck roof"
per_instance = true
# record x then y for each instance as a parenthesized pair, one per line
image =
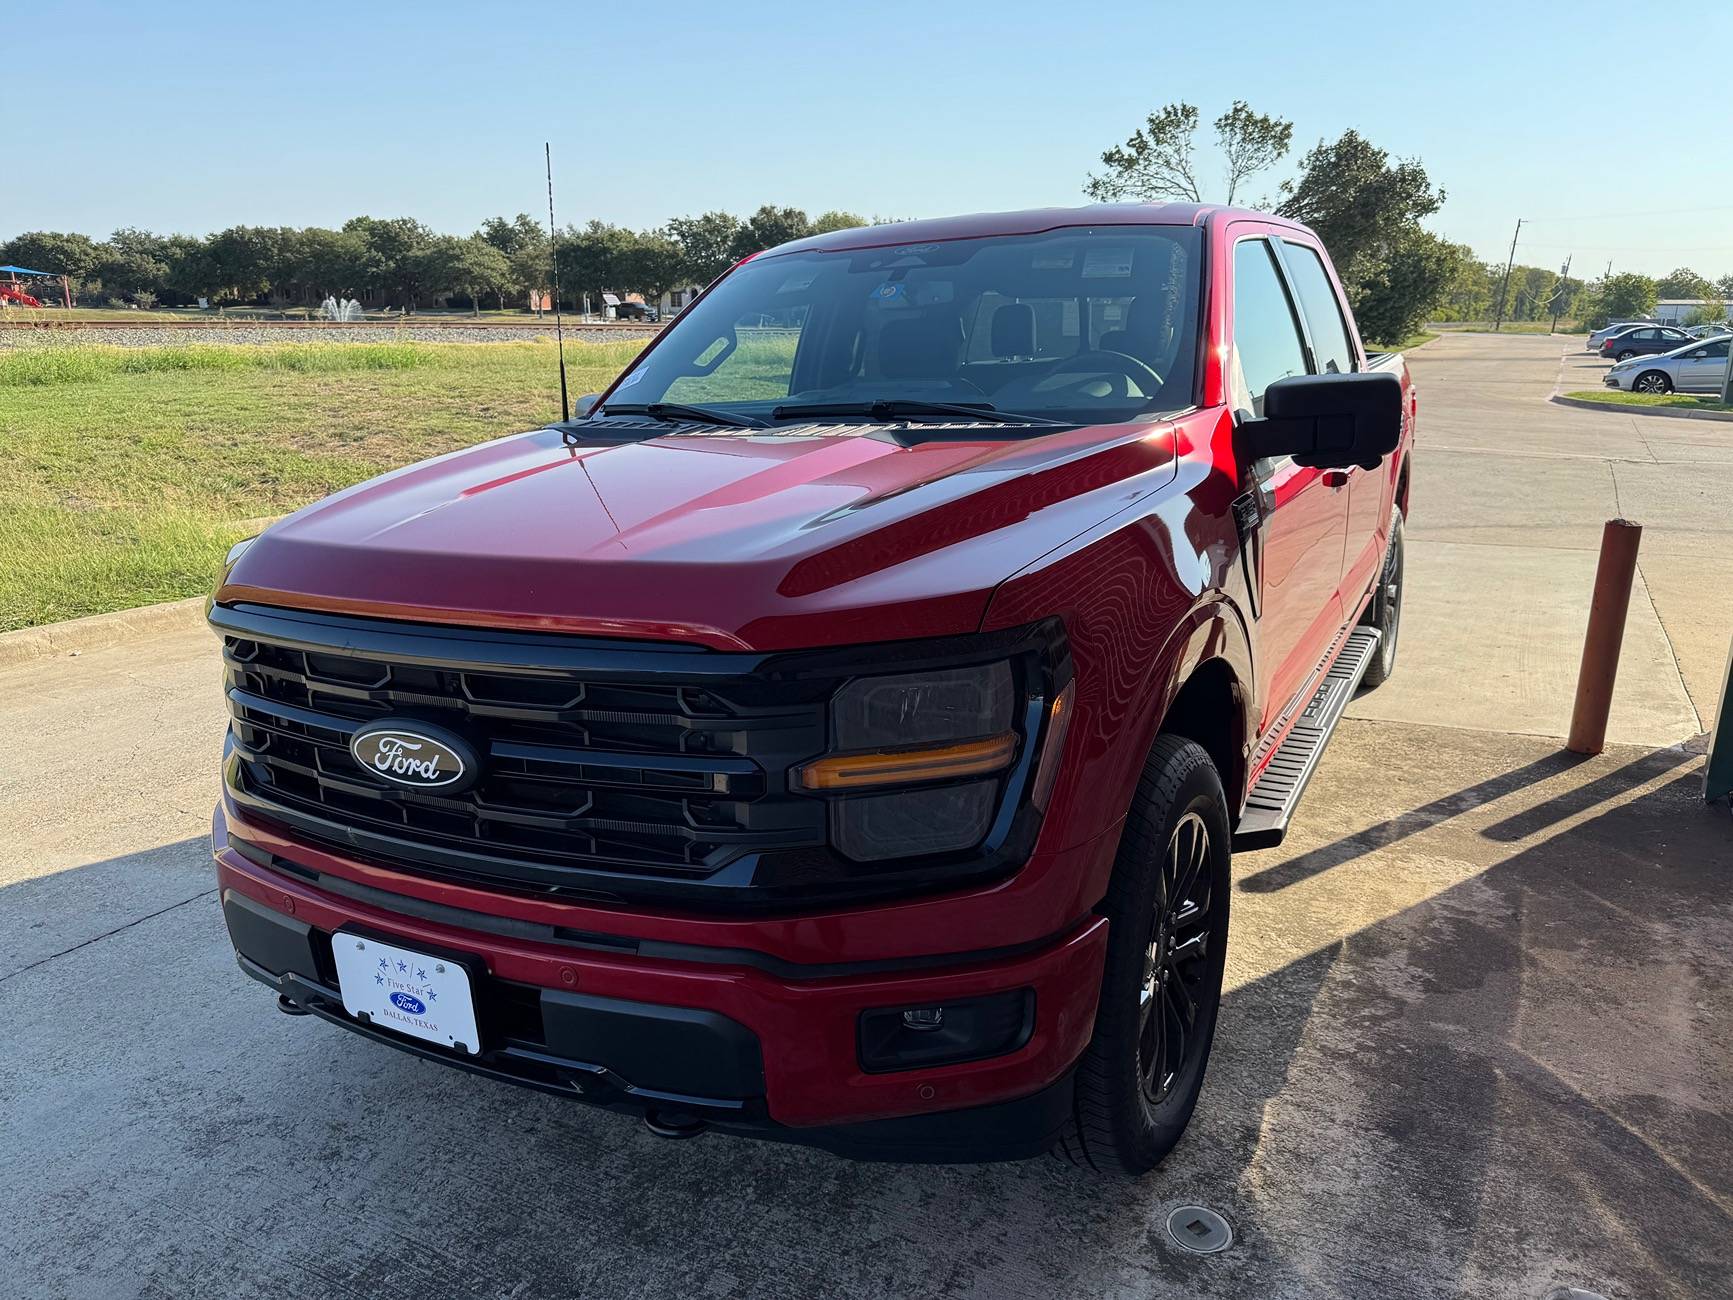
(1029, 221)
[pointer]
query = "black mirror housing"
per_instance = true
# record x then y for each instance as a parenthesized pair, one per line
(584, 405)
(1327, 421)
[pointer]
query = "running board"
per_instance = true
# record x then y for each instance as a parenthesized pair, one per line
(1272, 801)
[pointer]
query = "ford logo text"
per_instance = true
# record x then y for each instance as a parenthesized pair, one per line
(418, 755)
(405, 1002)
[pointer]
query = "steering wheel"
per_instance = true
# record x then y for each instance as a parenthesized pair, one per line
(1128, 369)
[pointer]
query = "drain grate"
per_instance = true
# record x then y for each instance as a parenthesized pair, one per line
(1199, 1229)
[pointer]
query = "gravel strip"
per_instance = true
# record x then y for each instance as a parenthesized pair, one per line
(144, 336)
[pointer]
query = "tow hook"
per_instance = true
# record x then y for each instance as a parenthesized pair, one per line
(290, 1008)
(674, 1128)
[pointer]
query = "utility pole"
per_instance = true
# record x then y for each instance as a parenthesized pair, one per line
(1563, 284)
(1505, 283)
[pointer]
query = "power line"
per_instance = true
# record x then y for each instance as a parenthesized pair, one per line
(1615, 216)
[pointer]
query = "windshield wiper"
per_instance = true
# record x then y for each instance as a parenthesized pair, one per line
(905, 408)
(680, 411)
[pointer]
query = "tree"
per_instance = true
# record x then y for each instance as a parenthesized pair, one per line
(652, 265)
(833, 220)
(1724, 286)
(239, 262)
(1628, 297)
(706, 244)
(1471, 290)
(767, 228)
(469, 267)
(1357, 202)
(1395, 296)
(1157, 161)
(1684, 283)
(389, 255)
(1251, 143)
(511, 237)
(134, 265)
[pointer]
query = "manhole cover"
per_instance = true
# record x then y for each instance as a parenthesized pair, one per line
(1199, 1229)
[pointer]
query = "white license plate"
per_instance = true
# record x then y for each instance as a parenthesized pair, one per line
(411, 992)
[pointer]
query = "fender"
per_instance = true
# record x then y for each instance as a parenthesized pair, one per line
(1146, 601)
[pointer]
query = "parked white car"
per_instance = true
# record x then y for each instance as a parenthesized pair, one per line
(1698, 367)
(1601, 335)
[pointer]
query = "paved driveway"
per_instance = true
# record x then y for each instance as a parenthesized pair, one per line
(1478, 1040)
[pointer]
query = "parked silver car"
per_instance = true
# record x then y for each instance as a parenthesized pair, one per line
(1601, 335)
(1698, 367)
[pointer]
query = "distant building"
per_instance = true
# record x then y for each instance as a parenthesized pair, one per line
(1676, 311)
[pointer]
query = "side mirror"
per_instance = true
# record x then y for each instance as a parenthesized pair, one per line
(582, 406)
(1327, 421)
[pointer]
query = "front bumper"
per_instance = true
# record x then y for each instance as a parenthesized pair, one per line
(742, 1046)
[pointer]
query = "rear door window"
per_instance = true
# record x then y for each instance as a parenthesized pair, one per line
(1267, 343)
(1331, 347)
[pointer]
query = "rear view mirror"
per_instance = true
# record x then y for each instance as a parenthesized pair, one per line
(715, 354)
(1327, 421)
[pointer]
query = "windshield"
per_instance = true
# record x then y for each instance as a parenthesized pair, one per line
(1083, 325)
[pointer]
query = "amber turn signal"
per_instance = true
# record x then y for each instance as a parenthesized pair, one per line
(902, 766)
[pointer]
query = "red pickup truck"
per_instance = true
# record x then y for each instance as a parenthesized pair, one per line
(838, 731)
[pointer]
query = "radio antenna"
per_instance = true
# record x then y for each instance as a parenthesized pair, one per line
(554, 257)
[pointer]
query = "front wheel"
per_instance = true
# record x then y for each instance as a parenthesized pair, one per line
(1652, 381)
(1167, 911)
(1385, 610)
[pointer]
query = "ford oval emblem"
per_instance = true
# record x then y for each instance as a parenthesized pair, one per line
(419, 755)
(405, 1002)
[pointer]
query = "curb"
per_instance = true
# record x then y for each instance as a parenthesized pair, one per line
(75, 636)
(1626, 408)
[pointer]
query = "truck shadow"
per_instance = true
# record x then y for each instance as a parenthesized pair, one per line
(1520, 1081)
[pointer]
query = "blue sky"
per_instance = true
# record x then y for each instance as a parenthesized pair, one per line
(195, 116)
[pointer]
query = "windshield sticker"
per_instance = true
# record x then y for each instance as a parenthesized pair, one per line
(911, 250)
(893, 293)
(631, 379)
(799, 280)
(1054, 260)
(1104, 262)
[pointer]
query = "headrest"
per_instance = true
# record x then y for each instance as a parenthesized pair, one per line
(1014, 330)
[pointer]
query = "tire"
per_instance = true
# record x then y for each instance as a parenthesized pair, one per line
(1385, 610)
(1138, 1080)
(1652, 381)
(1624, 356)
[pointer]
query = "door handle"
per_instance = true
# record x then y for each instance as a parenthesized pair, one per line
(1336, 478)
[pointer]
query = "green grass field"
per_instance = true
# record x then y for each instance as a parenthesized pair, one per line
(129, 472)
(1404, 345)
(1684, 401)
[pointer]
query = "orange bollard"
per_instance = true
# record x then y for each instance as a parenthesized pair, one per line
(1614, 573)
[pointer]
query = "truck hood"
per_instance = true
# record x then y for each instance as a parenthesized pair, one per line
(735, 539)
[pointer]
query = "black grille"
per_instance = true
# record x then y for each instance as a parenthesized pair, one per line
(590, 770)
(612, 771)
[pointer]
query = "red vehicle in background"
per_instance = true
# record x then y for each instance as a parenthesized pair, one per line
(838, 732)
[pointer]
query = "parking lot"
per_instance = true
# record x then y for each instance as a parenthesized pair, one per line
(1478, 1039)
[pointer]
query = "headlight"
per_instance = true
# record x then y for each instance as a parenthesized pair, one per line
(916, 761)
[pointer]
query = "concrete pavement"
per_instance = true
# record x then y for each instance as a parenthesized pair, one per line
(1510, 493)
(1478, 1040)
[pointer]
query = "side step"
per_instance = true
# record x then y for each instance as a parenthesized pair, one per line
(1272, 801)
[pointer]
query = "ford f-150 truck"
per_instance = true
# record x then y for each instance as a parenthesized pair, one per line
(838, 730)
